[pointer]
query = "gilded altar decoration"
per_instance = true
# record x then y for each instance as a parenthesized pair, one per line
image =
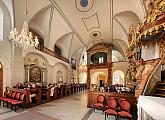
(35, 74)
(152, 30)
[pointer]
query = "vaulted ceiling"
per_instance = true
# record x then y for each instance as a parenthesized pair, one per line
(73, 28)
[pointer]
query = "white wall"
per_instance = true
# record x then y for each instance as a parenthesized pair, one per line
(150, 52)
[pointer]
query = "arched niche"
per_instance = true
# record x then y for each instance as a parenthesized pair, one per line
(35, 68)
(60, 73)
(118, 77)
(59, 76)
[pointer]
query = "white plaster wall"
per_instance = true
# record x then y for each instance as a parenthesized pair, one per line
(150, 52)
(18, 67)
(63, 69)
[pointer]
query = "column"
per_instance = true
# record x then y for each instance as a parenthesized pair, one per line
(109, 74)
(88, 77)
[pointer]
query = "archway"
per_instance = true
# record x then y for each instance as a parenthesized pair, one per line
(99, 78)
(1, 80)
(59, 77)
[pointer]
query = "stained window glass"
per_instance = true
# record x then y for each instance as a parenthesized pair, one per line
(84, 3)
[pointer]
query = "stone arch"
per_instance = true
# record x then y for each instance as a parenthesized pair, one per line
(38, 61)
(5, 20)
(6, 72)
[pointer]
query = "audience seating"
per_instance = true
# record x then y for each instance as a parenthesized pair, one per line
(20, 98)
(125, 110)
(100, 103)
(111, 107)
(41, 94)
(14, 97)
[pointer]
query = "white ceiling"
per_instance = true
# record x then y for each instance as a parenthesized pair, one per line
(66, 23)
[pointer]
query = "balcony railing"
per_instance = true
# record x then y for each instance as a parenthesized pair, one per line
(52, 53)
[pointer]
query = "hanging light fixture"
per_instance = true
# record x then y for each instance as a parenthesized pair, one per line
(25, 39)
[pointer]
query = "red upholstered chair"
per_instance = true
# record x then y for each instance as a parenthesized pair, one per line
(121, 99)
(125, 110)
(111, 107)
(15, 99)
(8, 99)
(5, 98)
(18, 102)
(100, 103)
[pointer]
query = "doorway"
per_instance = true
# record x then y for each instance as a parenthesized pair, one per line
(1, 80)
(101, 83)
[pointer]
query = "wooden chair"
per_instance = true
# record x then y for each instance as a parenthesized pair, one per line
(125, 110)
(100, 103)
(18, 102)
(111, 107)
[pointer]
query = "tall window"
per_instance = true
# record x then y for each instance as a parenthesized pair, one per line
(118, 77)
(101, 59)
(57, 50)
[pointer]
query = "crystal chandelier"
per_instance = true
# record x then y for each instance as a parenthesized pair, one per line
(25, 39)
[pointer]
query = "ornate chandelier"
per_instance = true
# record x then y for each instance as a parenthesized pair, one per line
(25, 39)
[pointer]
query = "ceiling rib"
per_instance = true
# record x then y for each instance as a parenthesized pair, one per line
(122, 27)
(65, 18)
(50, 22)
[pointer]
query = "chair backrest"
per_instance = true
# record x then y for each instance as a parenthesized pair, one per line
(13, 94)
(22, 96)
(121, 99)
(125, 105)
(101, 99)
(9, 94)
(17, 95)
(111, 102)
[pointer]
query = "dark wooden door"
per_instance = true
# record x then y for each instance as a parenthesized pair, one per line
(1, 82)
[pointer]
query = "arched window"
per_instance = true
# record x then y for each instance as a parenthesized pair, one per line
(118, 77)
(99, 57)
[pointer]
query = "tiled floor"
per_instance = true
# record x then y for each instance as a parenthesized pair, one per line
(73, 107)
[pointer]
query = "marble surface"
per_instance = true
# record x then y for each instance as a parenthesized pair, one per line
(73, 107)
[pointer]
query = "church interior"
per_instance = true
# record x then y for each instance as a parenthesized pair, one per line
(82, 59)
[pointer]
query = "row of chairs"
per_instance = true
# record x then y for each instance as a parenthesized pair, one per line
(13, 98)
(120, 108)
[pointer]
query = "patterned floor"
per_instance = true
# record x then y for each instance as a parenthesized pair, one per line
(73, 107)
